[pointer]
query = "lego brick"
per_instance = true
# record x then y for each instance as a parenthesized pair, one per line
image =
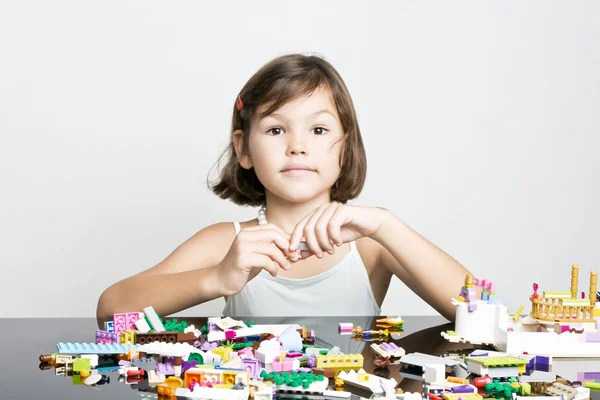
(165, 337)
(109, 326)
(106, 337)
(168, 349)
(497, 361)
(144, 363)
(125, 321)
(80, 364)
(152, 316)
(93, 359)
(141, 325)
(94, 348)
(434, 372)
(340, 361)
(592, 336)
(252, 366)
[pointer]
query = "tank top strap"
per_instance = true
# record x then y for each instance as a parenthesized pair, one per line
(237, 227)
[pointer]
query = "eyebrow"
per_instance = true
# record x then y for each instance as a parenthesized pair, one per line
(316, 114)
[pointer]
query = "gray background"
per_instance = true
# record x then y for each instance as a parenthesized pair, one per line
(480, 121)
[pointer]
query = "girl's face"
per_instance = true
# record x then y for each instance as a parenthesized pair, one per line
(295, 151)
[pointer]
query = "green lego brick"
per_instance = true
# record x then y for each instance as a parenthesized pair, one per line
(497, 361)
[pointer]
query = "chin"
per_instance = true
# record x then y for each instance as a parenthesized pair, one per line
(296, 195)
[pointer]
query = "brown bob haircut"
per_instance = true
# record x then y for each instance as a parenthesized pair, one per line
(281, 80)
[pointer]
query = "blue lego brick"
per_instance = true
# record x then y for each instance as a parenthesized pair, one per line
(494, 300)
(95, 348)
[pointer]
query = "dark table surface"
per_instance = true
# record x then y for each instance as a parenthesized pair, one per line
(23, 340)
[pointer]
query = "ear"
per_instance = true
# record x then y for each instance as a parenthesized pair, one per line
(242, 154)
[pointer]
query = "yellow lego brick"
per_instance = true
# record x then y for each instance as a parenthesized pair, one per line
(223, 352)
(525, 389)
(349, 361)
(464, 396)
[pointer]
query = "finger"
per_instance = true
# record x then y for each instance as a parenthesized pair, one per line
(335, 225)
(322, 228)
(260, 262)
(270, 235)
(309, 233)
(275, 254)
(298, 232)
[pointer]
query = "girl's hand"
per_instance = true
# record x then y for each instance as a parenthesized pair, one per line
(333, 224)
(254, 249)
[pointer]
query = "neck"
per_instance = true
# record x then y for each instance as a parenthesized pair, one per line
(286, 214)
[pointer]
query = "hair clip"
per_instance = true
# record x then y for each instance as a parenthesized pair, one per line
(240, 103)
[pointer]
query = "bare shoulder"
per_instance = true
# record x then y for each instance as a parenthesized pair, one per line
(204, 249)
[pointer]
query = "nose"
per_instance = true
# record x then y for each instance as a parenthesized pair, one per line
(296, 145)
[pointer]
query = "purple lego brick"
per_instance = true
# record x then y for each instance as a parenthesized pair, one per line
(588, 376)
(462, 389)
(391, 347)
(185, 365)
(165, 369)
(472, 307)
(307, 370)
(106, 337)
(542, 360)
(542, 367)
(252, 366)
(592, 336)
(206, 346)
(479, 353)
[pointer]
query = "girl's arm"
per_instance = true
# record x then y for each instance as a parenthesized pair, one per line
(187, 277)
(424, 268)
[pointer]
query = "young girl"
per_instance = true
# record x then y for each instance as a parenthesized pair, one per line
(296, 152)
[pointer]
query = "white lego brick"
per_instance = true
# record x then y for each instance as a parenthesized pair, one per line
(374, 383)
(434, 372)
(168, 349)
(154, 319)
(93, 359)
(409, 396)
(335, 393)
(264, 393)
(212, 393)
(142, 326)
(421, 359)
(154, 378)
(314, 351)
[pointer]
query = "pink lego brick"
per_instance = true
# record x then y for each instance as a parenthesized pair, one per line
(592, 336)
(564, 328)
(229, 334)
(286, 366)
(125, 321)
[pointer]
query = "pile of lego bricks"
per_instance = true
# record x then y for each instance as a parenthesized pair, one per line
(224, 359)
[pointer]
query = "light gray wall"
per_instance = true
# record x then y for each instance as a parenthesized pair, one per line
(480, 119)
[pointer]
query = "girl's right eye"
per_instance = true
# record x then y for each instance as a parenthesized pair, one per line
(275, 131)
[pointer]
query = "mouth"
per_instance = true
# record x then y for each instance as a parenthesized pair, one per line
(297, 171)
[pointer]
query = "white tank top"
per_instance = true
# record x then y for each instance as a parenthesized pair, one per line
(343, 290)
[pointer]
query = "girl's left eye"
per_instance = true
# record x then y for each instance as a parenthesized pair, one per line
(319, 130)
